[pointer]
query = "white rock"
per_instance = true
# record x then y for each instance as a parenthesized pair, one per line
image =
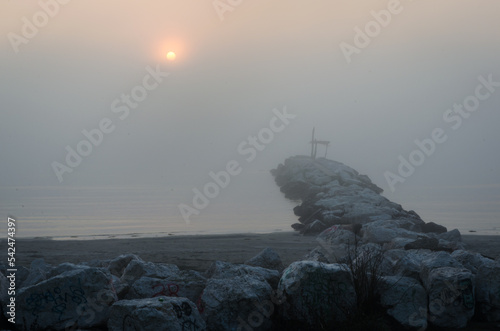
(138, 268)
(225, 270)
(77, 298)
(488, 291)
(380, 232)
(405, 300)
(267, 259)
(453, 235)
(188, 284)
(390, 260)
(437, 260)
(239, 303)
(316, 293)
(335, 243)
(410, 264)
(470, 261)
(451, 297)
(161, 313)
(39, 271)
(118, 264)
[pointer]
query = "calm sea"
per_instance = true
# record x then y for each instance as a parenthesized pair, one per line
(107, 212)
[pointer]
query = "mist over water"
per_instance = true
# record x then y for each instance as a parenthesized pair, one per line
(149, 211)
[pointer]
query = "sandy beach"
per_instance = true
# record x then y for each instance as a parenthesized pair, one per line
(194, 252)
(188, 252)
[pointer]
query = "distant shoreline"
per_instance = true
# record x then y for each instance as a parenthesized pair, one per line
(87, 237)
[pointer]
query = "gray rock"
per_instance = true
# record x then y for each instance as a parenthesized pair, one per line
(314, 227)
(488, 291)
(78, 298)
(432, 227)
(470, 261)
(335, 243)
(437, 260)
(319, 254)
(138, 268)
(161, 313)
(399, 243)
(39, 271)
(451, 296)
(316, 294)
(239, 303)
(424, 243)
(186, 283)
(118, 264)
(22, 274)
(450, 246)
(380, 232)
(390, 260)
(453, 235)
(96, 263)
(267, 259)
(405, 300)
(64, 267)
(226, 270)
(410, 264)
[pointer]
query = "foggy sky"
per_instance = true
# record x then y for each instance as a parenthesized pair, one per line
(228, 77)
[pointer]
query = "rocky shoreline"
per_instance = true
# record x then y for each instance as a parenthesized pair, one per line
(375, 265)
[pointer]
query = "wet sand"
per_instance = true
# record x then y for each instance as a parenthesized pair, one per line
(194, 252)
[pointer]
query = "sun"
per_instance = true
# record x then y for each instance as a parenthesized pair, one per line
(171, 56)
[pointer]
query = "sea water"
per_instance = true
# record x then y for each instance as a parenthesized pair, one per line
(92, 212)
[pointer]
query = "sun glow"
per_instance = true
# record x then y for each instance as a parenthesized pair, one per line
(171, 56)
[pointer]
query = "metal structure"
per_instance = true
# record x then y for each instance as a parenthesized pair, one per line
(314, 145)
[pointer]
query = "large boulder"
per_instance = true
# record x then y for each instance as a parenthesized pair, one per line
(437, 260)
(453, 235)
(64, 267)
(226, 270)
(384, 231)
(77, 298)
(423, 243)
(409, 265)
(39, 271)
(314, 227)
(336, 242)
(161, 313)
(405, 300)
(388, 265)
(488, 291)
(317, 295)
(118, 264)
(186, 283)
(432, 227)
(238, 303)
(137, 268)
(470, 261)
(451, 297)
(267, 259)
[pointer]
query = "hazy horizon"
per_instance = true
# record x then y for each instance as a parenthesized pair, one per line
(234, 71)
